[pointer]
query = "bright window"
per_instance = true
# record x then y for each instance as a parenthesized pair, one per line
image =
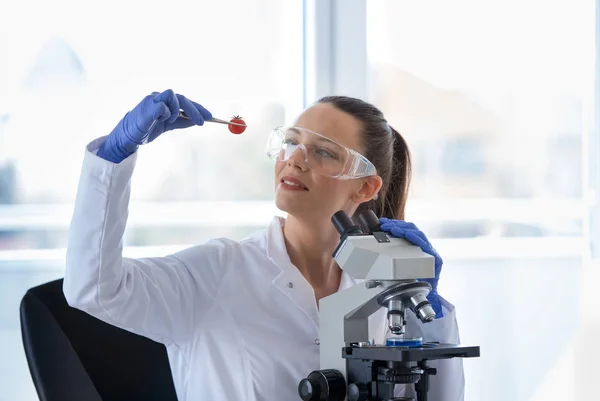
(495, 100)
(71, 70)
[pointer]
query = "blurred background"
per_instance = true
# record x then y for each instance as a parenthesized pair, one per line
(496, 99)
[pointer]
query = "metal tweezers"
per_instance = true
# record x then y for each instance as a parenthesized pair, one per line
(214, 120)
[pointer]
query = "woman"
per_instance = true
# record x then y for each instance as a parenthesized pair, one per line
(240, 318)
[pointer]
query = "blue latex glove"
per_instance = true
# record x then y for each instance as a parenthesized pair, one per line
(410, 232)
(155, 114)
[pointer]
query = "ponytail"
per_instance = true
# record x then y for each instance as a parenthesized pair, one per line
(396, 193)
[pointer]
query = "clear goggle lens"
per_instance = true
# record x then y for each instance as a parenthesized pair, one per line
(321, 154)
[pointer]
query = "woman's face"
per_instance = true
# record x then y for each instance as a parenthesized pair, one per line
(306, 194)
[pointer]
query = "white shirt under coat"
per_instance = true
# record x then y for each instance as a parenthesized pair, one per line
(238, 319)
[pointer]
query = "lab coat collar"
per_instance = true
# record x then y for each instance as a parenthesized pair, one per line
(277, 252)
(289, 281)
(275, 243)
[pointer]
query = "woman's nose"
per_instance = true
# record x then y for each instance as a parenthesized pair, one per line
(298, 159)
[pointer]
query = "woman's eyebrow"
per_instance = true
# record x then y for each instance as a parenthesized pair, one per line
(319, 137)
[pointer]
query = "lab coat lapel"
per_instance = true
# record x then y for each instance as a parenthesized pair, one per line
(290, 281)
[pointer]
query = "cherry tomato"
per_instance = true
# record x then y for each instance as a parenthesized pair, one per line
(235, 129)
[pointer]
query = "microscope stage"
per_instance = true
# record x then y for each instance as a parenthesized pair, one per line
(408, 354)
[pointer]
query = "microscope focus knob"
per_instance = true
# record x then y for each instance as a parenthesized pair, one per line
(323, 385)
(358, 392)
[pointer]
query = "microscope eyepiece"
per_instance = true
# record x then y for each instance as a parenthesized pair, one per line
(369, 220)
(344, 225)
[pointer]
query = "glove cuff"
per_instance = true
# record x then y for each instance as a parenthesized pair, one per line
(112, 152)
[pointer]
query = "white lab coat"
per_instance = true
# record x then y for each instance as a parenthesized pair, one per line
(238, 319)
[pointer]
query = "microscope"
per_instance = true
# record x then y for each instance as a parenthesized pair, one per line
(353, 366)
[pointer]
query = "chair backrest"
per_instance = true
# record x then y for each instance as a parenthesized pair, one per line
(74, 356)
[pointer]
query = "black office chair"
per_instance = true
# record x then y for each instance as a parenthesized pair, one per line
(73, 356)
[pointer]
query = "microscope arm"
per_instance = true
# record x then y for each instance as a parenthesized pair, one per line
(344, 319)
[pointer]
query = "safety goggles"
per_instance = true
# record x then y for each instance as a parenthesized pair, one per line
(321, 154)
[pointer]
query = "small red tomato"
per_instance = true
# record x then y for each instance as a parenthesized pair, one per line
(236, 129)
